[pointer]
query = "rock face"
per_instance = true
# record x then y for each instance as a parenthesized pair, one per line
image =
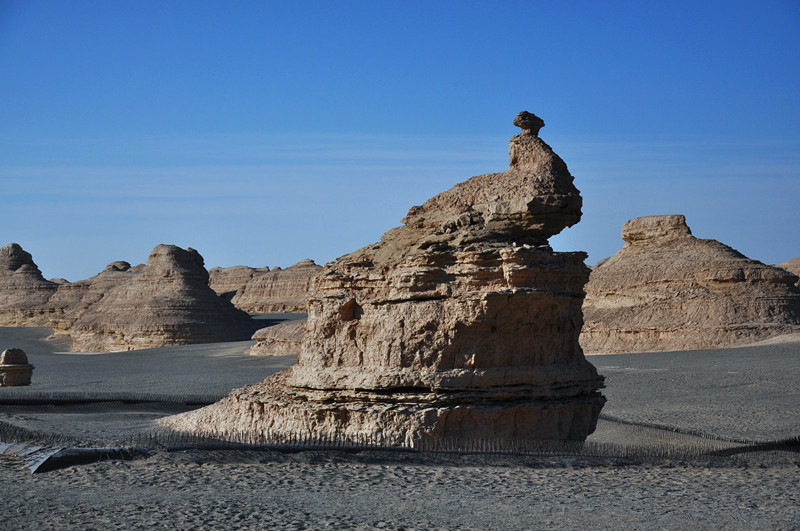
(14, 368)
(461, 324)
(667, 290)
(284, 339)
(24, 293)
(226, 281)
(793, 267)
(279, 290)
(168, 302)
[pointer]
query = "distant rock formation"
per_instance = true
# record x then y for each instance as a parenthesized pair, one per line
(226, 281)
(284, 339)
(168, 302)
(24, 293)
(460, 325)
(667, 290)
(279, 290)
(793, 267)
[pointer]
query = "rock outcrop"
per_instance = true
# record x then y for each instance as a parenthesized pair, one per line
(24, 293)
(284, 339)
(168, 302)
(278, 290)
(227, 281)
(667, 290)
(793, 267)
(462, 324)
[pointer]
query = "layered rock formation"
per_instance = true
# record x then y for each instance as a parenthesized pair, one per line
(284, 339)
(461, 324)
(793, 267)
(279, 290)
(667, 290)
(24, 293)
(167, 302)
(226, 281)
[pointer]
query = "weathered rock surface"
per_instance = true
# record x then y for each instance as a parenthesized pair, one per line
(667, 290)
(24, 293)
(279, 290)
(167, 302)
(226, 281)
(461, 324)
(14, 368)
(284, 339)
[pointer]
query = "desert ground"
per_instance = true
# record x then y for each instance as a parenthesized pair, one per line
(701, 439)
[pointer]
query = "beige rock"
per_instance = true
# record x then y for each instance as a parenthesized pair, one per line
(14, 368)
(226, 281)
(462, 324)
(167, 302)
(667, 290)
(24, 293)
(284, 339)
(279, 290)
(793, 267)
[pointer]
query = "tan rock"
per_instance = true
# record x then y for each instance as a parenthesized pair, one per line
(667, 290)
(24, 293)
(284, 339)
(168, 302)
(279, 290)
(793, 267)
(14, 368)
(226, 281)
(462, 324)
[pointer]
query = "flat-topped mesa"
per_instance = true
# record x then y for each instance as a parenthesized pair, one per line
(667, 290)
(528, 203)
(460, 325)
(24, 293)
(278, 290)
(167, 302)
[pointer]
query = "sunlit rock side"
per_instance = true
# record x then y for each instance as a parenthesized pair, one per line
(461, 324)
(24, 293)
(793, 267)
(667, 290)
(278, 290)
(168, 302)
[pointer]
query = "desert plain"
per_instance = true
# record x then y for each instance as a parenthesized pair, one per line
(704, 439)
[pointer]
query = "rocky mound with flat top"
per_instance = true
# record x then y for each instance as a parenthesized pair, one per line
(460, 325)
(278, 290)
(226, 281)
(24, 293)
(667, 290)
(167, 302)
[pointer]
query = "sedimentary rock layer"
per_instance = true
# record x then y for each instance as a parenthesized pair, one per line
(667, 290)
(226, 281)
(278, 290)
(461, 324)
(24, 293)
(793, 267)
(284, 339)
(168, 302)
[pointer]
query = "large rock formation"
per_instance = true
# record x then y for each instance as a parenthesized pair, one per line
(667, 290)
(24, 293)
(284, 339)
(279, 290)
(461, 324)
(226, 281)
(168, 302)
(793, 267)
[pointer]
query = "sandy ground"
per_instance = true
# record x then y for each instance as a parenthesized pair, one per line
(720, 398)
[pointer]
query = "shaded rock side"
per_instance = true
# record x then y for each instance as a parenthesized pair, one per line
(462, 324)
(793, 267)
(168, 302)
(279, 290)
(227, 281)
(667, 290)
(284, 339)
(24, 293)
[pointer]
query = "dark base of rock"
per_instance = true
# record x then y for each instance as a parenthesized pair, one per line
(14, 375)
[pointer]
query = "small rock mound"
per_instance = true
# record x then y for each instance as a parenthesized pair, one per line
(278, 290)
(284, 339)
(667, 290)
(24, 293)
(14, 368)
(168, 302)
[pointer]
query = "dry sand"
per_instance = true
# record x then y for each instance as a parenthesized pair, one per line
(727, 395)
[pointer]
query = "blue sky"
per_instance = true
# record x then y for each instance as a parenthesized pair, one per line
(262, 133)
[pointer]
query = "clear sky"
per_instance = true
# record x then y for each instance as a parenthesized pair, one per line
(262, 133)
